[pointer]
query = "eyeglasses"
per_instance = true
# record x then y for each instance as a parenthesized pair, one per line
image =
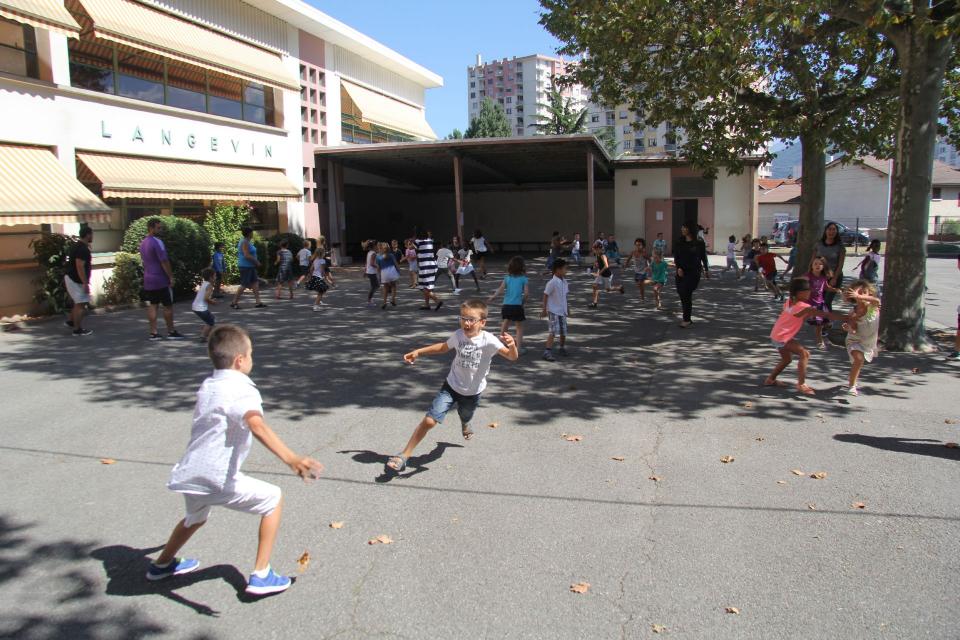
(468, 320)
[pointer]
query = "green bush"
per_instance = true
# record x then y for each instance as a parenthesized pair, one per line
(187, 246)
(950, 228)
(52, 251)
(223, 224)
(126, 282)
(295, 243)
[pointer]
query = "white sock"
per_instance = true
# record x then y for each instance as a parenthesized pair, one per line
(262, 574)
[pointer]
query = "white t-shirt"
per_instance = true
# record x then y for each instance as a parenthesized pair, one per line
(468, 371)
(220, 439)
(318, 266)
(200, 300)
(575, 248)
(556, 292)
(304, 257)
(443, 257)
(731, 250)
(371, 268)
(480, 244)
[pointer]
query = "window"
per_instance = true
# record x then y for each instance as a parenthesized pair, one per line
(509, 99)
(18, 49)
(140, 77)
(623, 115)
(500, 100)
(627, 144)
(186, 87)
(595, 117)
(489, 80)
(652, 142)
(639, 143)
(520, 121)
(226, 97)
(519, 131)
(509, 112)
(473, 85)
(692, 188)
(258, 102)
(519, 65)
(937, 193)
(91, 66)
(473, 94)
(474, 106)
(627, 130)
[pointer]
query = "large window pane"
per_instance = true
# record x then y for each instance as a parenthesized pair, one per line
(226, 96)
(91, 65)
(18, 49)
(186, 87)
(141, 77)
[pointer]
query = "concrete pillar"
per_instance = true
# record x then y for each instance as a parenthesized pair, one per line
(458, 191)
(591, 221)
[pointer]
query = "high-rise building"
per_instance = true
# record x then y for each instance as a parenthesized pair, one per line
(521, 86)
(946, 153)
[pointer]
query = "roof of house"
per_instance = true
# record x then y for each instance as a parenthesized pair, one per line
(766, 184)
(784, 194)
(945, 175)
(881, 167)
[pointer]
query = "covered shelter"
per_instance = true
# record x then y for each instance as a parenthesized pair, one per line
(517, 190)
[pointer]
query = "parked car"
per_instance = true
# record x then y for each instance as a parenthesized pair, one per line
(788, 232)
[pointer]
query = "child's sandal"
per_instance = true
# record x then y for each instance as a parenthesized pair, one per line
(466, 431)
(397, 463)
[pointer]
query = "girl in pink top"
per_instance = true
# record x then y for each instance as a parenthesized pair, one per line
(785, 330)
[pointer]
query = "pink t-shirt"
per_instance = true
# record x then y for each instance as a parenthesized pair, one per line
(788, 325)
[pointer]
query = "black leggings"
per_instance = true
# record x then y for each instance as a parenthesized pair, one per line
(685, 288)
(374, 285)
(456, 279)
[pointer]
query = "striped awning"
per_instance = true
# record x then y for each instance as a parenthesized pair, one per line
(133, 177)
(44, 14)
(36, 189)
(135, 25)
(385, 111)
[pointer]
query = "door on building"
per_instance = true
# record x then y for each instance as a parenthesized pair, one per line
(684, 212)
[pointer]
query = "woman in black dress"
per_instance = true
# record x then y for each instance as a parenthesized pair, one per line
(689, 256)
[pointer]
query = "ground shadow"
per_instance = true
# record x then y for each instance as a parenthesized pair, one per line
(415, 464)
(917, 446)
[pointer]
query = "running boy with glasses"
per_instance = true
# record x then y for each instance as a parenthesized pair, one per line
(468, 374)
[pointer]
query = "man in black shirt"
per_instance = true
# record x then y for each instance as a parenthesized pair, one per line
(77, 279)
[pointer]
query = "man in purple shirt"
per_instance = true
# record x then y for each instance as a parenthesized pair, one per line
(157, 280)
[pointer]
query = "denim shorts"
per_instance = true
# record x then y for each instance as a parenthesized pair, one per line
(444, 401)
(206, 316)
(557, 325)
(248, 276)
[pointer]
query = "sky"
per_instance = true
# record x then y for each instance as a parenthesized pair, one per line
(445, 36)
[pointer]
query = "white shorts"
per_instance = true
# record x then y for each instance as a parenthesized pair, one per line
(603, 282)
(249, 495)
(77, 291)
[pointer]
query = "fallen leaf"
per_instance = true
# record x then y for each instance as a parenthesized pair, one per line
(580, 587)
(797, 472)
(858, 505)
(732, 610)
(748, 405)
(759, 438)
(618, 458)
(657, 628)
(727, 459)
(819, 475)
(655, 478)
(819, 415)
(951, 445)
(336, 525)
(949, 421)
(812, 506)
(303, 561)
(865, 421)
(571, 438)
(493, 425)
(107, 461)
(915, 370)
(781, 482)
(381, 539)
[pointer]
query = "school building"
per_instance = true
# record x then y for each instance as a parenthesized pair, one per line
(117, 109)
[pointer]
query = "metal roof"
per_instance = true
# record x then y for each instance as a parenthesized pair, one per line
(516, 161)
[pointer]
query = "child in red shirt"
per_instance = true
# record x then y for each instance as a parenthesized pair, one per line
(767, 262)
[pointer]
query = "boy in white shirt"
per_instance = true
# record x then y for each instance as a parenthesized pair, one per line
(303, 260)
(229, 409)
(467, 378)
(732, 257)
(203, 300)
(555, 308)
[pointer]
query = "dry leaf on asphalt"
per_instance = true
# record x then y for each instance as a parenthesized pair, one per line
(107, 461)
(303, 561)
(951, 445)
(858, 505)
(797, 472)
(819, 475)
(759, 438)
(618, 458)
(493, 425)
(381, 539)
(571, 438)
(819, 415)
(812, 506)
(657, 628)
(915, 370)
(655, 478)
(781, 482)
(949, 421)
(748, 405)
(727, 459)
(732, 610)
(580, 587)
(336, 525)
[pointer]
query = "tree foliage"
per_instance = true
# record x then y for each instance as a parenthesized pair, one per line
(187, 247)
(559, 115)
(456, 134)
(491, 122)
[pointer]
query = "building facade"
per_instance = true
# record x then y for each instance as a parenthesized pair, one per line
(171, 106)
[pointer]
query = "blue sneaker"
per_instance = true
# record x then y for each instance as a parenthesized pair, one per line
(272, 583)
(177, 567)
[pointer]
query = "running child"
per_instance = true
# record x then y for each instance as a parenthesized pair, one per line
(612, 249)
(819, 279)
(203, 299)
(318, 276)
(444, 256)
(862, 329)
(767, 264)
(370, 269)
(660, 245)
(783, 336)
(410, 257)
(658, 273)
(556, 310)
(745, 243)
(467, 378)
(388, 271)
(228, 415)
(465, 268)
(303, 260)
(219, 265)
(575, 249)
(732, 257)
(604, 278)
(750, 258)
(870, 265)
(641, 266)
(515, 288)
(284, 262)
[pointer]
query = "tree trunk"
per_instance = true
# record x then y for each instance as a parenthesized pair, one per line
(923, 61)
(813, 180)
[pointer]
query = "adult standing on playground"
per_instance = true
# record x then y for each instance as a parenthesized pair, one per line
(426, 268)
(247, 262)
(689, 256)
(480, 251)
(831, 249)
(157, 280)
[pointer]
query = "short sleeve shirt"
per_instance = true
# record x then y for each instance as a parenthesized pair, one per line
(767, 262)
(304, 257)
(556, 292)
(218, 263)
(220, 438)
(153, 253)
(443, 257)
(286, 259)
(243, 261)
(80, 251)
(831, 253)
(513, 289)
(468, 371)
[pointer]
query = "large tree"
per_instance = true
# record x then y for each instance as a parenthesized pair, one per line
(491, 122)
(734, 75)
(559, 115)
